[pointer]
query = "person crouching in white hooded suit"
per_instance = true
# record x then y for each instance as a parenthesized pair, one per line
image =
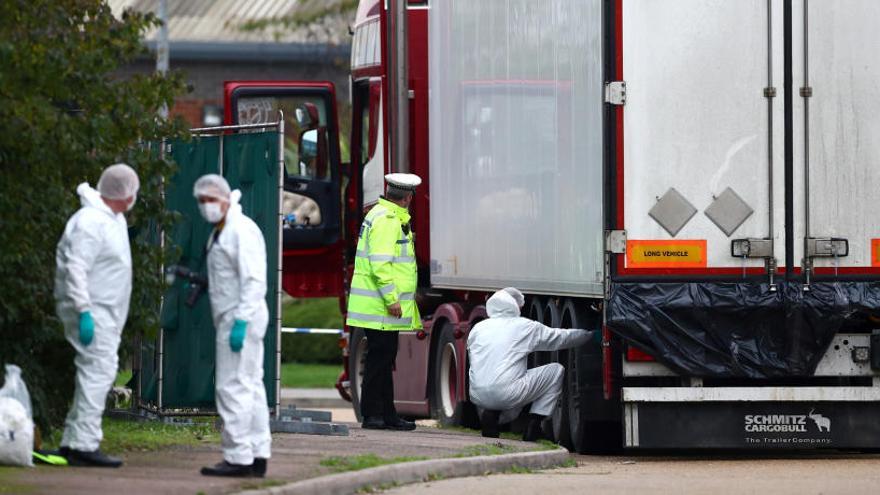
(92, 292)
(237, 289)
(500, 382)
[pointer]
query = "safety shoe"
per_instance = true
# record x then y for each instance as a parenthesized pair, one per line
(373, 423)
(228, 469)
(533, 431)
(83, 458)
(489, 423)
(259, 467)
(399, 424)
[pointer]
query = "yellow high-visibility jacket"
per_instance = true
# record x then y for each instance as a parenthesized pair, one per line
(384, 272)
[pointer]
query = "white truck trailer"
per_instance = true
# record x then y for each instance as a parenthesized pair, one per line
(704, 175)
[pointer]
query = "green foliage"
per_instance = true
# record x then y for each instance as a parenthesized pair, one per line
(123, 377)
(64, 116)
(309, 375)
(311, 313)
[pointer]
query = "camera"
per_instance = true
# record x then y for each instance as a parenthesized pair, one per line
(197, 282)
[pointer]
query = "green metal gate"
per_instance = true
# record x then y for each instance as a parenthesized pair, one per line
(177, 369)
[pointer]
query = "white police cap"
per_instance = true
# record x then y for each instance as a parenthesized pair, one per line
(406, 182)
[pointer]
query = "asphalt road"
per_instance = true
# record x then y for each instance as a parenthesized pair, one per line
(800, 473)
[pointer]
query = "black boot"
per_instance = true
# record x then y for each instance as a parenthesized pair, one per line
(373, 423)
(95, 458)
(533, 431)
(489, 423)
(227, 469)
(399, 424)
(259, 467)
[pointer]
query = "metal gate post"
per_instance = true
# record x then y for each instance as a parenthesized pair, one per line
(281, 173)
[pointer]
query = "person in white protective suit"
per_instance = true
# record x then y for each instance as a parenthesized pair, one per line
(500, 382)
(237, 289)
(92, 292)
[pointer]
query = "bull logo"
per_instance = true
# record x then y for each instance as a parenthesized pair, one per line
(822, 422)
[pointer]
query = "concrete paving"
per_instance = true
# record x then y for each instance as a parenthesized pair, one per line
(795, 474)
(311, 398)
(295, 457)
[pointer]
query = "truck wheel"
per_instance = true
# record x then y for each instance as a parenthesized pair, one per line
(559, 418)
(536, 312)
(357, 355)
(448, 403)
(536, 309)
(590, 430)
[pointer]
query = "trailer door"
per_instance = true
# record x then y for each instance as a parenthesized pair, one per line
(836, 70)
(312, 205)
(700, 155)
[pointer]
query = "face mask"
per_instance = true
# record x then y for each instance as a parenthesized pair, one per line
(211, 212)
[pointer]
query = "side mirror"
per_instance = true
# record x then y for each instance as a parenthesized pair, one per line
(308, 152)
(307, 116)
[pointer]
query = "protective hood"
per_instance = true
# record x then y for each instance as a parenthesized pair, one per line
(502, 305)
(234, 206)
(90, 197)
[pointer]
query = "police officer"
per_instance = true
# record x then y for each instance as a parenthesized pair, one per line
(382, 297)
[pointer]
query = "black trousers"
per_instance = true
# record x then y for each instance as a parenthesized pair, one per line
(377, 390)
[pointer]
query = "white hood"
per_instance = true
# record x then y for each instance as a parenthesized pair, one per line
(499, 349)
(234, 206)
(502, 305)
(90, 197)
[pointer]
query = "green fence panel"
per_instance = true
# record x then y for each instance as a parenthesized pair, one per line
(250, 163)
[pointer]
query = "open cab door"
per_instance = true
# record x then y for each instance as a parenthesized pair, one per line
(314, 243)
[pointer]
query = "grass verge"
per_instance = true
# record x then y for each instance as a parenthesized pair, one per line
(259, 485)
(339, 464)
(309, 375)
(132, 436)
(496, 448)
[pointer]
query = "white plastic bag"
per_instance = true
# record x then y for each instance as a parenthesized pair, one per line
(16, 421)
(15, 388)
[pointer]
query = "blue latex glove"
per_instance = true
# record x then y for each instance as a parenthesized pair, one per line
(236, 336)
(86, 328)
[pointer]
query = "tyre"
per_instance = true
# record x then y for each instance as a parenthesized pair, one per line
(449, 404)
(536, 309)
(536, 313)
(357, 355)
(592, 425)
(559, 417)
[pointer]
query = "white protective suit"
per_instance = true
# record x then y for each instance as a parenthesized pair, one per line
(93, 273)
(498, 349)
(237, 288)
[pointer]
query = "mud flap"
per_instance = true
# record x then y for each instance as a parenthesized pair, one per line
(752, 425)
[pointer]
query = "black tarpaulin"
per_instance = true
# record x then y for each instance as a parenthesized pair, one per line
(740, 329)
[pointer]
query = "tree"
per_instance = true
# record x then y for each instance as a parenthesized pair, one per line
(64, 116)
